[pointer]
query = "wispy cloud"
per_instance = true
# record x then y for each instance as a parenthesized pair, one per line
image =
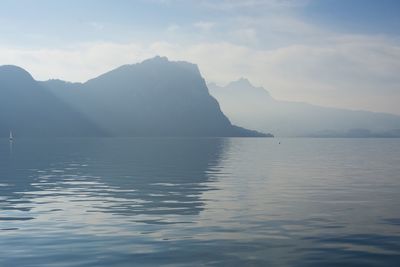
(96, 25)
(346, 71)
(173, 28)
(234, 4)
(268, 41)
(204, 25)
(245, 35)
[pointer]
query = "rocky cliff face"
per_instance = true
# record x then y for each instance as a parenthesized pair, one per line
(154, 98)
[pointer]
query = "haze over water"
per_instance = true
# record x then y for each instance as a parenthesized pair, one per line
(210, 201)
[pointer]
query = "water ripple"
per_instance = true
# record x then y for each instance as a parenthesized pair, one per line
(196, 202)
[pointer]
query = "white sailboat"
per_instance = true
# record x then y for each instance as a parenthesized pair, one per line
(11, 136)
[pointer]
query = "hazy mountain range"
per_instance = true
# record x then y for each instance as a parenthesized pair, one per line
(158, 97)
(29, 109)
(154, 98)
(255, 108)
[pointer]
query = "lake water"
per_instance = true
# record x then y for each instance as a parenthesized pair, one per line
(200, 202)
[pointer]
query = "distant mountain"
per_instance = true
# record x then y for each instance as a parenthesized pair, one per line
(255, 108)
(154, 98)
(30, 110)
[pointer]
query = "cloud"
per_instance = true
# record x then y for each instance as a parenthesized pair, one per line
(245, 35)
(173, 28)
(96, 25)
(204, 25)
(350, 71)
(239, 4)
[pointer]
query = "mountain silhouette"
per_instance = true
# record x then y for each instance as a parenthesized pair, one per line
(154, 98)
(255, 108)
(30, 110)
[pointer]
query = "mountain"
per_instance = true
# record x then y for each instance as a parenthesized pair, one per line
(30, 110)
(255, 108)
(154, 98)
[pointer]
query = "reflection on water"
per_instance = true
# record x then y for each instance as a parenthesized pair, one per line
(230, 202)
(126, 177)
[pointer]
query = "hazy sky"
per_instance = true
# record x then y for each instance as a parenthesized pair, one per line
(342, 53)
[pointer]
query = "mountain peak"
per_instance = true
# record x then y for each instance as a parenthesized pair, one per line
(158, 66)
(242, 82)
(163, 61)
(12, 72)
(157, 59)
(243, 85)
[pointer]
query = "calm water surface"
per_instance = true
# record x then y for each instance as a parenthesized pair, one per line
(200, 202)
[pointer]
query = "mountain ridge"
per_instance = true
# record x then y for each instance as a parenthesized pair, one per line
(251, 107)
(156, 97)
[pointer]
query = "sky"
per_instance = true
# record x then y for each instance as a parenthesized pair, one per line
(337, 53)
